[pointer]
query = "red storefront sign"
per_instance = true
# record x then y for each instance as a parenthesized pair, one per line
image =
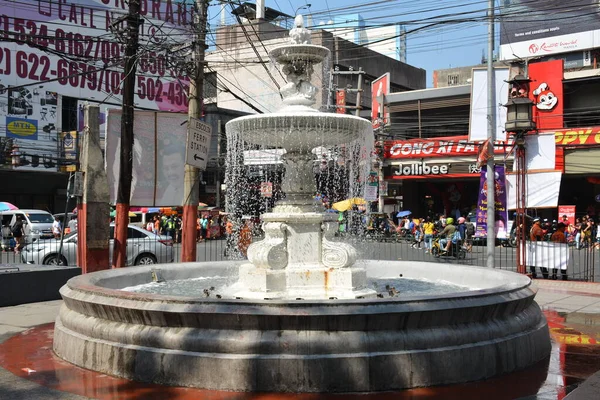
(577, 136)
(547, 93)
(438, 147)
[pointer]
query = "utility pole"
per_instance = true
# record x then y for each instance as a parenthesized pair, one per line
(191, 174)
(93, 210)
(491, 107)
(126, 159)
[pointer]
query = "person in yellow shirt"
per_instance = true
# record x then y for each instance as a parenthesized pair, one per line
(428, 229)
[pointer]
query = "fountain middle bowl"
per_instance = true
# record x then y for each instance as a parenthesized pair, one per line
(300, 130)
(361, 345)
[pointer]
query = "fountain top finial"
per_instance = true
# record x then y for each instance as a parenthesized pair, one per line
(299, 34)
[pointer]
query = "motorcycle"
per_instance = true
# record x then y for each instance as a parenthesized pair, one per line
(457, 250)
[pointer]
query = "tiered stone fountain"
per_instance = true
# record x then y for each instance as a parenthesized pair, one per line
(296, 260)
(301, 318)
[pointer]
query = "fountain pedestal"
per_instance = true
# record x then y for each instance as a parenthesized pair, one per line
(297, 261)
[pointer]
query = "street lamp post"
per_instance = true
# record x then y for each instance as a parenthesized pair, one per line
(519, 121)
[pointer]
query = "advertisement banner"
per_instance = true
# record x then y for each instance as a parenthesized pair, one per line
(383, 188)
(547, 94)
(569, 211)
(501, 213)
(266, 189)
(478, 118)
(371, 188)
(158, 157)
(70, 151)
(542, 189)
(531, 28)
(436, 147)
(32, 118)
(340, 101)
(380, 115)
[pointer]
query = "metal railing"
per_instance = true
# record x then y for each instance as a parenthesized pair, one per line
(582, 264)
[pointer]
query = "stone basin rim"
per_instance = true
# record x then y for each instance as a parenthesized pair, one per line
(88, 284)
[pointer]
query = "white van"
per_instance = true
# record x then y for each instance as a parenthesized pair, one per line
(38, 223)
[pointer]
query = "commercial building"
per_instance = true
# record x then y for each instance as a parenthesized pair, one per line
(430, 161)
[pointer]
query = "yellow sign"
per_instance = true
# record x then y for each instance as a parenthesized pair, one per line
(21, 128)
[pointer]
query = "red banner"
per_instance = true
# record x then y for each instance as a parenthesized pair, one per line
(340, 100)
(569, 211)
(380, 87)
(436, 147)
(547, 93)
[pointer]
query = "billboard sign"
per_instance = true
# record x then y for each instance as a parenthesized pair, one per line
(158, 157)
(69, 47)
(532, 28)
(380, 115)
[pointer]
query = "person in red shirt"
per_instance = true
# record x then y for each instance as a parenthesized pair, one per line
(536, 234)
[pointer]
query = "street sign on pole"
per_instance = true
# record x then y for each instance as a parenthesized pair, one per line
(198, 143)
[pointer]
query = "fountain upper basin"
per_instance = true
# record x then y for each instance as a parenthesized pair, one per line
(242, 345)
(309, 53)
(300, 130)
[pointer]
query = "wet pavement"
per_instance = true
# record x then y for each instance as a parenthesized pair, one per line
(29, 369)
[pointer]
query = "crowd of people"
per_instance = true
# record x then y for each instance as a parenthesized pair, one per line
(207, 226)
(420, 231)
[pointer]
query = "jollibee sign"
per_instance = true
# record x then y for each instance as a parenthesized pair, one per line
(436, 147)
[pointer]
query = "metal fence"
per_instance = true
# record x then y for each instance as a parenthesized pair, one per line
(582, 264)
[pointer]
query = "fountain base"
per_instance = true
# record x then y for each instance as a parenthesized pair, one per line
(295, 260)
(380, 344)
(308, 283)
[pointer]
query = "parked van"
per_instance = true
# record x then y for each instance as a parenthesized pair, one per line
(38, 223)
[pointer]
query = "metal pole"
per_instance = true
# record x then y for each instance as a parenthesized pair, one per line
(491, 107)
(62, 231)
(359, 92)
(191, 174)
(126, 160)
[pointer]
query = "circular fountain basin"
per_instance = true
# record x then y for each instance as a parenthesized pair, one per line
(361, 345)
(307, 53)
(303, 130)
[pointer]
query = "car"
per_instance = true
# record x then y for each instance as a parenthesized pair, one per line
(143, 247)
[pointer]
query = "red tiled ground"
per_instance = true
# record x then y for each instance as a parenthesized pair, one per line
(29, 355)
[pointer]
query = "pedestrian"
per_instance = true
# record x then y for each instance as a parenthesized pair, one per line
(56, 228)
(18, 232)
(559, 237)
(417, 233)
(170, 227)
(536, 234)
(469, 233)
(204, 227)
(428, 229)
(73, 224)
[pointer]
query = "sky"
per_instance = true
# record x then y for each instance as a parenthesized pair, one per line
(442, 33)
